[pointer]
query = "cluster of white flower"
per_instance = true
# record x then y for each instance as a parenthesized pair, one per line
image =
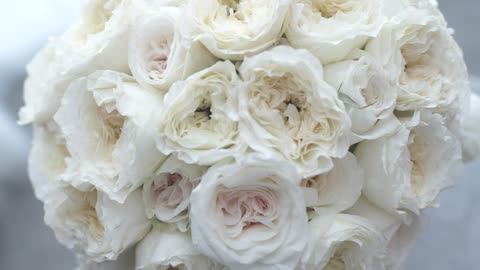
(246, 134)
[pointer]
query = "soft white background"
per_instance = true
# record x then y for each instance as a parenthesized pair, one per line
(452, 240)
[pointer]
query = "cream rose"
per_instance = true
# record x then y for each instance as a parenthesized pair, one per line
(98, 40)
(336, 190)
(102, 119)
(432, 73)
(160, 53)
(167, 193)
(369, 93)
(406, 171)
(194, 123)
(350, 243)
(93, 225)
(170, 250)
(88, 222)
(287, 110)
(331, 29)
(233, 29)
(399, 237)
(250, 214)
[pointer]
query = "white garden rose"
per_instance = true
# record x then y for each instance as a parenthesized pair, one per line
(233, 29)
(170, 250)
(470, 130)
(250, 215)
(433, 74)
(101, 118)
(286, 110)
(93, 225)
(125, 261)
(98, 40)
(89, 222)
(349, 243)
(399, 237)
(331, 29)
(369, 93)
(167, 194)
(103, 23)
(406, 171)
(194, 123)
(160, 53)
(336, 190)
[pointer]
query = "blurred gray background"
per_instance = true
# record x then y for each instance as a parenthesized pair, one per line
(452, 240)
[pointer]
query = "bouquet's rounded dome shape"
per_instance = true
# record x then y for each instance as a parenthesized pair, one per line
(246, 134)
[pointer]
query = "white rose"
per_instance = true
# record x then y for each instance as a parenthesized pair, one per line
(336, 190)
(331, 29)
(94, 225)
(470, 130)
(160, 53)
(350, 243)
(429, 64)
(406, 171)
(97, 41)
(286, 110)
(399, 237)
(194, 123)
(101, 118)
(125, 261)
(235, 29)
(170, 250)
(167, 194)
(369, 94)
(250, 214)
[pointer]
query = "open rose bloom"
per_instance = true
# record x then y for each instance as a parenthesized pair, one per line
(246, 134)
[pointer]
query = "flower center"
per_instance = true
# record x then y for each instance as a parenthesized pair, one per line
(157, 58)
(419, 64)
(112, 125)
(247, 207)
(417, 157)
(329, 8)
(232, 5)
(284, 93)
(286, 97)
(178, 267)
(335, 263)
(204, 111)
(86, 215)
(167, 189)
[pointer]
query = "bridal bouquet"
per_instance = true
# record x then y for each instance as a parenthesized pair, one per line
(246, 134)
